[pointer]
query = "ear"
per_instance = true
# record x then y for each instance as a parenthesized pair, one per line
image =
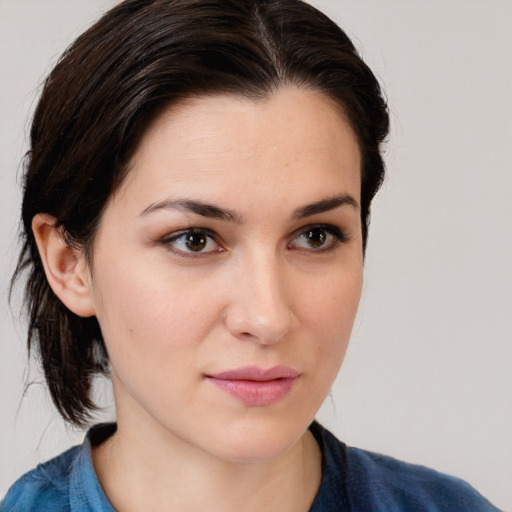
(65, 267)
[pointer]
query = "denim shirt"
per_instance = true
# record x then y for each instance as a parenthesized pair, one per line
(352, 480)
(64, 484)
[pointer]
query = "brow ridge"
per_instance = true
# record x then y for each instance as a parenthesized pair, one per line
(210, 210)
(325, 205)
(199, 207)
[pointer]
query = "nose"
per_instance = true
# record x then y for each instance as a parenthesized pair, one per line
(260, 307)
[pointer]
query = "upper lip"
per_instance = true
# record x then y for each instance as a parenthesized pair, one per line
(257, 374)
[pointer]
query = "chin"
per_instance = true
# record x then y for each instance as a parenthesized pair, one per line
(259, 443)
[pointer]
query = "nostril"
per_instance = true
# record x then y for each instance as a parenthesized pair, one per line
(244, 324)
(259, 307)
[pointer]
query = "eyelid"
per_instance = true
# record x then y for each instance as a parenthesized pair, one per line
(339, 235)
(167, 241)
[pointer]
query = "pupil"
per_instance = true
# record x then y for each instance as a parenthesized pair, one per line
(316, 237)
(195, 241)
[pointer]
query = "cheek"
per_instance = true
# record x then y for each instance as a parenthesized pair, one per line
(331, 311)
(333, 299)
(156, 325)
(146, 296)
(151, 332)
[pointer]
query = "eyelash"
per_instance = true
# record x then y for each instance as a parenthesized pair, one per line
(337, 237)
(208, 235)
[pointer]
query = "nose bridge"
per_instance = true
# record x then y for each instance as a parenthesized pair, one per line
(260, 307)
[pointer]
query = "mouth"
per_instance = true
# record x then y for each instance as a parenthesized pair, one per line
(254, 386)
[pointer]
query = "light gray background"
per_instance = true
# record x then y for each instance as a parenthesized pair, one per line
(428, 375)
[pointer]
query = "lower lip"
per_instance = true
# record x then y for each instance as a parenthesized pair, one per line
(255, 393)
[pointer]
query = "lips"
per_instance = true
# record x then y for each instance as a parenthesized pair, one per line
(256, 387)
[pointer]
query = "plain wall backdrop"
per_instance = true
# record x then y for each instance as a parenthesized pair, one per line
(428, 375)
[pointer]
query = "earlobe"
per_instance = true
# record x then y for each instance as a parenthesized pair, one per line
(65, 267)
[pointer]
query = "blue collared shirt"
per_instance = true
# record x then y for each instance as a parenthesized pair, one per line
(352, 480)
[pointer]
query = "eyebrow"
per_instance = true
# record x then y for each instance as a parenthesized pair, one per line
(198, 207)
(216, 212)
(325, 205)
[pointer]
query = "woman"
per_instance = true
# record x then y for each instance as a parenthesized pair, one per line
(196, 208)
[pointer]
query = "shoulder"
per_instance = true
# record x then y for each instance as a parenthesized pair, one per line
(44, 488)
(371, 481)
(398, 484)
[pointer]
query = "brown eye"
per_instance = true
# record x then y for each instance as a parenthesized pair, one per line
(192, 241)
(196, 241)
(315, 237)
(319, 238)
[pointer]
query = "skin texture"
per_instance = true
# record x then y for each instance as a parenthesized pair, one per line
(259, 293)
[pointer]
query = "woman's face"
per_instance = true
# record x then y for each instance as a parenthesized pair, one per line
(227, 269)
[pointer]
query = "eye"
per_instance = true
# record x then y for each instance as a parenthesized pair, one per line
(318, 238)
(192, 241)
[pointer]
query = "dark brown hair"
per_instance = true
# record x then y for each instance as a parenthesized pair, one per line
(107, 87)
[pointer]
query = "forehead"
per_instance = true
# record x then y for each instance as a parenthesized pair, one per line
(294, 138)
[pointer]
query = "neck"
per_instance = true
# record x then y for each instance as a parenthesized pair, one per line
(143, 471)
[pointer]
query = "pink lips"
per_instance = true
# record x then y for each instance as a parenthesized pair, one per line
(254, 386)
